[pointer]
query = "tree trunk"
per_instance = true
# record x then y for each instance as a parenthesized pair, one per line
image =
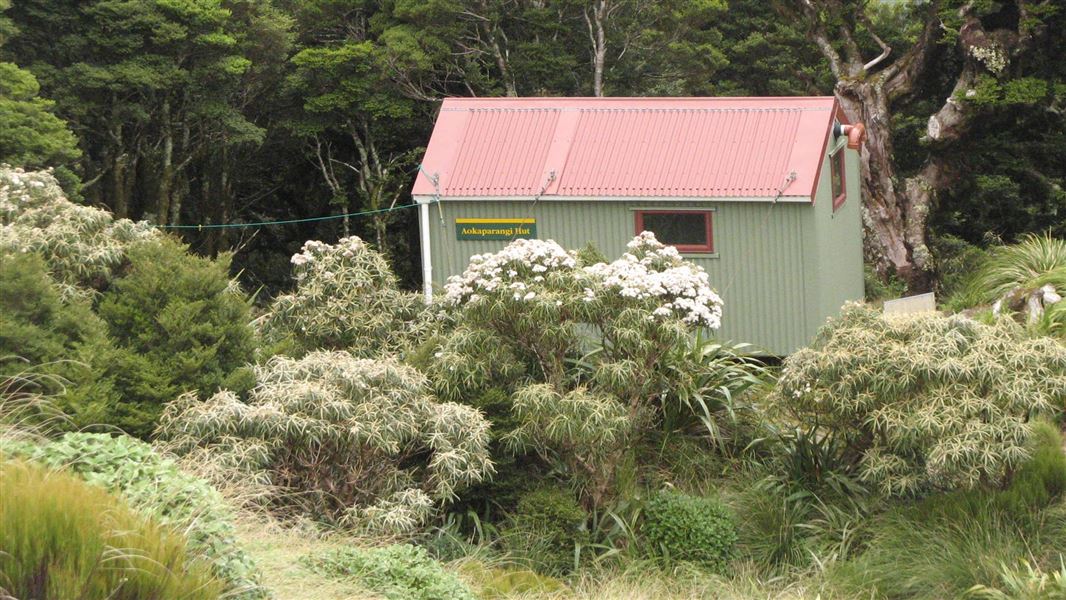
(597, 23)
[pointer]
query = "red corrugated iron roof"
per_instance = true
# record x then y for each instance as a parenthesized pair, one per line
(626, 147)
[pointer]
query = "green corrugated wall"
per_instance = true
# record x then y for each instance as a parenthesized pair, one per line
(780, 268)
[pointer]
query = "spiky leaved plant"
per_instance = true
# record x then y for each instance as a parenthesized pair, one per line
(912, 404)
(346, 298)
(586, 349)
(357, 437)
(1027, 278)
(82, 245)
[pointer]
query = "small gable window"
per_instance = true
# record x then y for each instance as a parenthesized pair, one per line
(687, 230)
(836, 175)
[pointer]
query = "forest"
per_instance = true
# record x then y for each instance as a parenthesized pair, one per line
(217, 379)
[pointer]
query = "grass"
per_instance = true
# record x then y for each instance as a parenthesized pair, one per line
(62, 538)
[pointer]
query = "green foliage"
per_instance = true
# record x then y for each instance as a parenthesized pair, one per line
(1023, 582)
(61, 538)
(31, 135)
(398, 572)
(156, 488)
(351, 435)
(62, 341)
(882, 287)
(547, 527)
(499, 583)
(1026, 278)
(590, 352)
(957, 262)
(83, 247)
(679, 528)
(974, 533)
(180, 325)
(346, 298)
(923, 402)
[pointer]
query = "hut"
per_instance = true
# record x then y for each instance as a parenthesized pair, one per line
(763, 193)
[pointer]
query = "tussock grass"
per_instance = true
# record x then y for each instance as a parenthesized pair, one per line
(62, 538)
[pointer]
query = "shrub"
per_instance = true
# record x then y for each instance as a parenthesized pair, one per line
(925, 402)
(155, 487)
(547, 527)
(1026, 278)
(61, 341)
(180, 324)
(346, 298)
(587, 350)
(64, 539)
(679, 528)
(398, 572)
(944, 544)
(350, 434)
(83, 246)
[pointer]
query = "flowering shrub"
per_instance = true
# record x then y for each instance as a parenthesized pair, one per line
(82, 245)
(358, 437)
(925, 402)
(346, 298)
(588, 350)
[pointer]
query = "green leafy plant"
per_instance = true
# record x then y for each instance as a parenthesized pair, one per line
(84, 247)
(351, 435)
(588, 351)
(62, 538)
(546, 528)
(398, 572)
(682, 528)
(1027, 279)
(1023, 582)
(179, 323)
(61, 342)
(920, 403)
(346, 298)
(155, 487)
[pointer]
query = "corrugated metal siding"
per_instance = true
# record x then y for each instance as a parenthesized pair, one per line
(760, 269)
(837, 242)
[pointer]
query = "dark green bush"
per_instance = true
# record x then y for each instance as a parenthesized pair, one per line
(682, 528)
(61, 538)
(398, 572)
(547, 526)
(155, 487)
(180, 324)
(59, 339)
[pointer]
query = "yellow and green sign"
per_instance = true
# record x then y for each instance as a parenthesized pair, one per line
(495, 229)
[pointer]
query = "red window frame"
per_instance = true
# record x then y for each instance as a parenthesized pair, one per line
(708, 222)
(838, 160)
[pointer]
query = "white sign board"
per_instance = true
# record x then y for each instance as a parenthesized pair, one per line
(911, 305)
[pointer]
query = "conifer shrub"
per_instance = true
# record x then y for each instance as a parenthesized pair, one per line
(920, 403)
(346, 298)
(682, 528)
(356, 438)
(397, 572)
(62, 538)
(156, 488)
(179, 323)
(547, 527)
(60, 340)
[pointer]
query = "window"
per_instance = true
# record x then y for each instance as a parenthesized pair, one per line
(687, 230)
(836, 175)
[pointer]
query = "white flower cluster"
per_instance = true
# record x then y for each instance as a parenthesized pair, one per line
(507, 269)
(648, 270)
(346, 247)
(652, 270)
(81, 244)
